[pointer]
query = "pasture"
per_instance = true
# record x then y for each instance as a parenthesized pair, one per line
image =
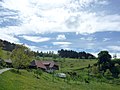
(27, 81)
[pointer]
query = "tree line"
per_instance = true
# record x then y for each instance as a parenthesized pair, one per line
(45, 54)
(7, 46)
(73, 54)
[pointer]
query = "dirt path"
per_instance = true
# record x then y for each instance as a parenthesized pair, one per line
(3, 70)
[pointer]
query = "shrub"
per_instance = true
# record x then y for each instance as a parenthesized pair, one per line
(108, 73)
(38, 72)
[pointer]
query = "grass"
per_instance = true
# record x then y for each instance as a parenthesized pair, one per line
(76, 64)
(5, 54)
(70, 63)
(27, 81)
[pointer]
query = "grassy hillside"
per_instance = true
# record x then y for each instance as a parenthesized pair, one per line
(5, 54)
(27, 81)
(72, 64)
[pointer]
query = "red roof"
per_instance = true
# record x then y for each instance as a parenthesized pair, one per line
(39, 64)
(43, 64)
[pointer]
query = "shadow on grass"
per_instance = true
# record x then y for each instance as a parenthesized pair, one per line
(15, 71)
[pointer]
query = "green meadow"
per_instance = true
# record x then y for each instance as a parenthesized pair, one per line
(26, 80)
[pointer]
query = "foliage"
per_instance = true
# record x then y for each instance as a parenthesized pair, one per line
(7, 46)
(108, 73)
(55, 56)
(2, 63)
(45, 54)
(95, 70)
(78, 82)
(115, 71)
(21, 56)
(1, 53)
(74, 54)
(108, 66)
(38, 72)
(104, 57)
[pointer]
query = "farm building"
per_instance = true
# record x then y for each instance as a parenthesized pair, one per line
(48, 66)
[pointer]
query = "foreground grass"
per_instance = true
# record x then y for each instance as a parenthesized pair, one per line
(27, 81)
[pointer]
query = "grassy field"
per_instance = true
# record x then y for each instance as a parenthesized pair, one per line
(5, 54)
(73, 64)
(27, 81)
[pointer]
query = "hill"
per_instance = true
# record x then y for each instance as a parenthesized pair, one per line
(7, 46)
(27, 81)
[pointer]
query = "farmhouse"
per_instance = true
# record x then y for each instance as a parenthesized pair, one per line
(48, 66)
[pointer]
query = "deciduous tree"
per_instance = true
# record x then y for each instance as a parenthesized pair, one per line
(21, 57)
(104, 59)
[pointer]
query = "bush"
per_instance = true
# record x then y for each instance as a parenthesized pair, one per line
(95, 70)
(1, 67)
(15, 71)
(38, 73)
(108, 73)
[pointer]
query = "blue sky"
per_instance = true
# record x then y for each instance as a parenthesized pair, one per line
(44, 25)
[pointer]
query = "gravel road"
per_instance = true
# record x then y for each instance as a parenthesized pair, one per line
(3, 70)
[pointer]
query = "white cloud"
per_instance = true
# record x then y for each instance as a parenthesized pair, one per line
(34, 48)
(87, 39)
(61, 37)
(103, 2)
(114, 48)
(63, 46)
(43, 16)
(36, 38)
(39, 16)
(62, 43)
(112, 54)
(42, 48)
(117, 54)
(90, 46)
(10, 38)
(92, 22)
(106, 39)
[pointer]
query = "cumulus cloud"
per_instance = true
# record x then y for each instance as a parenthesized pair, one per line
(87, 39)
(43, 48)
(10, 38)
(106, 39)
(26, 17)
(114, 48)
(40, 16)
(62, 43)
(36, 38)
(34, 48)
(61, 37)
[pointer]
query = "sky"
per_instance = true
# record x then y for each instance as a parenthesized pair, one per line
(51, 25)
